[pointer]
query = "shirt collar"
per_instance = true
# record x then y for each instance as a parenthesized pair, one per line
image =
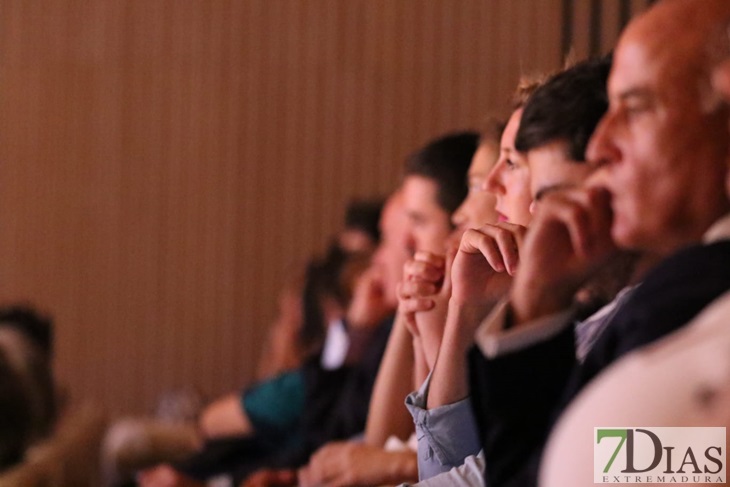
(720, 230)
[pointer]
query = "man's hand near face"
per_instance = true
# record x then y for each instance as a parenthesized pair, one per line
(483, 255)
(569, 240)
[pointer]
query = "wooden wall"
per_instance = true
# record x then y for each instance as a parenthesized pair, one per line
(592, 27)
(164, 164)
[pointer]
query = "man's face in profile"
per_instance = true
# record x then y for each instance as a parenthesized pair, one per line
(428, 223)
(659, 149)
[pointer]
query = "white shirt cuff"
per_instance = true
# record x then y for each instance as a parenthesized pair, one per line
(494, 341)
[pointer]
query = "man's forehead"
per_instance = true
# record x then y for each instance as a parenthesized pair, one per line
(667, 46)
(636, 64)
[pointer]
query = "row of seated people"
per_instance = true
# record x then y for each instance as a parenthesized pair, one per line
(603, 230)
(337, 392)
(307, 347)
(429, 214)
(609, 263)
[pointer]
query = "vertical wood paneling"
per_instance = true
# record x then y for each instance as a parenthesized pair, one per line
(595, 25)
(581, 29)
(611, 25)
(166, 164)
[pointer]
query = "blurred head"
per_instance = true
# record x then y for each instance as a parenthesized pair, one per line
(392, 252)
(479, 206)
(328, 287)
(27, 392)
(433, 188)
(36, 328)
(663, 145)
(557, 123)
(361, 232)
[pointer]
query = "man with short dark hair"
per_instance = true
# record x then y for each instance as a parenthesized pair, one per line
(433, 188)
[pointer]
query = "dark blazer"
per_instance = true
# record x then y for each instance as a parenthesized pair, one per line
(518, 397)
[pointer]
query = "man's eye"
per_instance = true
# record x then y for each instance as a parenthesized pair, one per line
(634, 109)
(416, 219)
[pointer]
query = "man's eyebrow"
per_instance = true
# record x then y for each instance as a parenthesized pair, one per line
(638, 92)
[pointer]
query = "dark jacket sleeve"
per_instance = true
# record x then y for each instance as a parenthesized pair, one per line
(513, 397)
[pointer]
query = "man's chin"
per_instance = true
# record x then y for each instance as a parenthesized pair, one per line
(636, 239)
(625, 237)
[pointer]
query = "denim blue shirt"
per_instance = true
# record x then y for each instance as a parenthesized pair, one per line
(446, 435)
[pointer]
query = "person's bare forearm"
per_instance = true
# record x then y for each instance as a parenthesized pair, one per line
(420, 366)
(449, 382)
(225, 417)
(387, 416)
